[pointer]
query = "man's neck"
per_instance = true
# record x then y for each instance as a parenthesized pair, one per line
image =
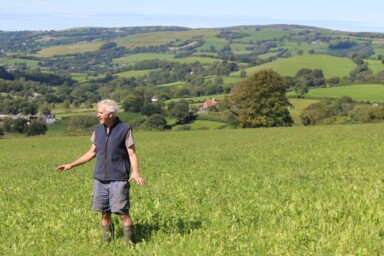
(111, 123)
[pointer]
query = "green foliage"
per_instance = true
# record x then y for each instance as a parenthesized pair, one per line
(341, 45)
(2, 131)
(82, 123)
(4, 74)
(180, 110)
(359, 92)
(135, 101)
(151, 108)
(260, 101)
(18, 125)
(155, 122)
(36, 127)
(296, 191)
(113, 62)
(331, 65)
(18, 106)
(341, 111)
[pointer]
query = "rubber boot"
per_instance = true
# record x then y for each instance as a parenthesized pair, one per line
(108, 233)
(128, 235)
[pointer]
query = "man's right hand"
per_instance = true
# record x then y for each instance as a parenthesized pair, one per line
(64, 167)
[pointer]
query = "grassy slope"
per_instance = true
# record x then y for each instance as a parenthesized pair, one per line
(331, 66)
(361, 92)
(70, 49)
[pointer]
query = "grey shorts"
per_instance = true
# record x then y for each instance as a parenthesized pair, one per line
(111, 196)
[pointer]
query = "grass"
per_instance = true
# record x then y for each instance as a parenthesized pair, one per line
(203, 125)
(135, 58)
(11, 61)
(359, 92)
(331, 66)
(70, 49)
(279, 191)
(376, 66)
(135, 73)
(298, 106)
(161, 38)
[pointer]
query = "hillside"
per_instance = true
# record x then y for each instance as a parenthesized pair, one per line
(82, 65)
(246, 45)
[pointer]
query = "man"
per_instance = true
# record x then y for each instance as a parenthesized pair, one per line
(114, 149)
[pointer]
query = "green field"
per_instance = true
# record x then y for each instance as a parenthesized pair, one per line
(162, 38)
(298, 106)
(70, 49)
(359, 92)
(376, 66)
(136, 73)
(12, 61)
(275, 191)
(331, 66)
(135, 58)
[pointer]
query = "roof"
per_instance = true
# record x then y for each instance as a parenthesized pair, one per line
(210, 103)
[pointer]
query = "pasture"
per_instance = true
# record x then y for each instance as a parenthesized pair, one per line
(12, 61)
(162, 38)
(280, 191)
(359, 92)
(331, 66)
(70, 49)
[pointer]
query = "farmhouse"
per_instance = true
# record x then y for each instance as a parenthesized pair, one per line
(48, 119)
(207, 104)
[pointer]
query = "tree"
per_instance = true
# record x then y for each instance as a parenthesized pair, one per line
(155, 122)
(36, 127)
(5, 75)
(134, 101)
(19, 125)
(1, 132)
(82, 123)
(151, 108)
(180, 110)
(260, 101)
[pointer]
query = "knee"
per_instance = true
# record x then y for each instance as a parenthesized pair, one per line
(126, 219)
(105, 216)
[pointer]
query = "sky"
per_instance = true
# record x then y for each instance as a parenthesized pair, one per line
(345, 15)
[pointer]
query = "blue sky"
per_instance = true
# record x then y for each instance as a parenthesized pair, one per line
(346, 15)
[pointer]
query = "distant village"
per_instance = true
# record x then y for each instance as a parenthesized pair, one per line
(48, 119)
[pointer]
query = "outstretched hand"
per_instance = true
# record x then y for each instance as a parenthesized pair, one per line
(137, 178)
(64, 167)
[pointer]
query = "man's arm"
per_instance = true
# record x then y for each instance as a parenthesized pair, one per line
(135, 166)
(82, 160)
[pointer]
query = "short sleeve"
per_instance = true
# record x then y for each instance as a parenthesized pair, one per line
(129, 140)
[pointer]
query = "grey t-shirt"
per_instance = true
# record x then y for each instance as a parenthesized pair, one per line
(129, 141)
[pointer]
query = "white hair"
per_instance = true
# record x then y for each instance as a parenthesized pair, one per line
(110, 106)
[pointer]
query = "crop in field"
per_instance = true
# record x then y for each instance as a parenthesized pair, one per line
(276, 191)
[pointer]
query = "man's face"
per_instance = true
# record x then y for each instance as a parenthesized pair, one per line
(104, 117)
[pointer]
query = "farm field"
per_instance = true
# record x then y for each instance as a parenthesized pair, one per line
(280, 191)
(360, 92)
(12, 61)
(331, 66)
(70, 49)
(298, 106)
